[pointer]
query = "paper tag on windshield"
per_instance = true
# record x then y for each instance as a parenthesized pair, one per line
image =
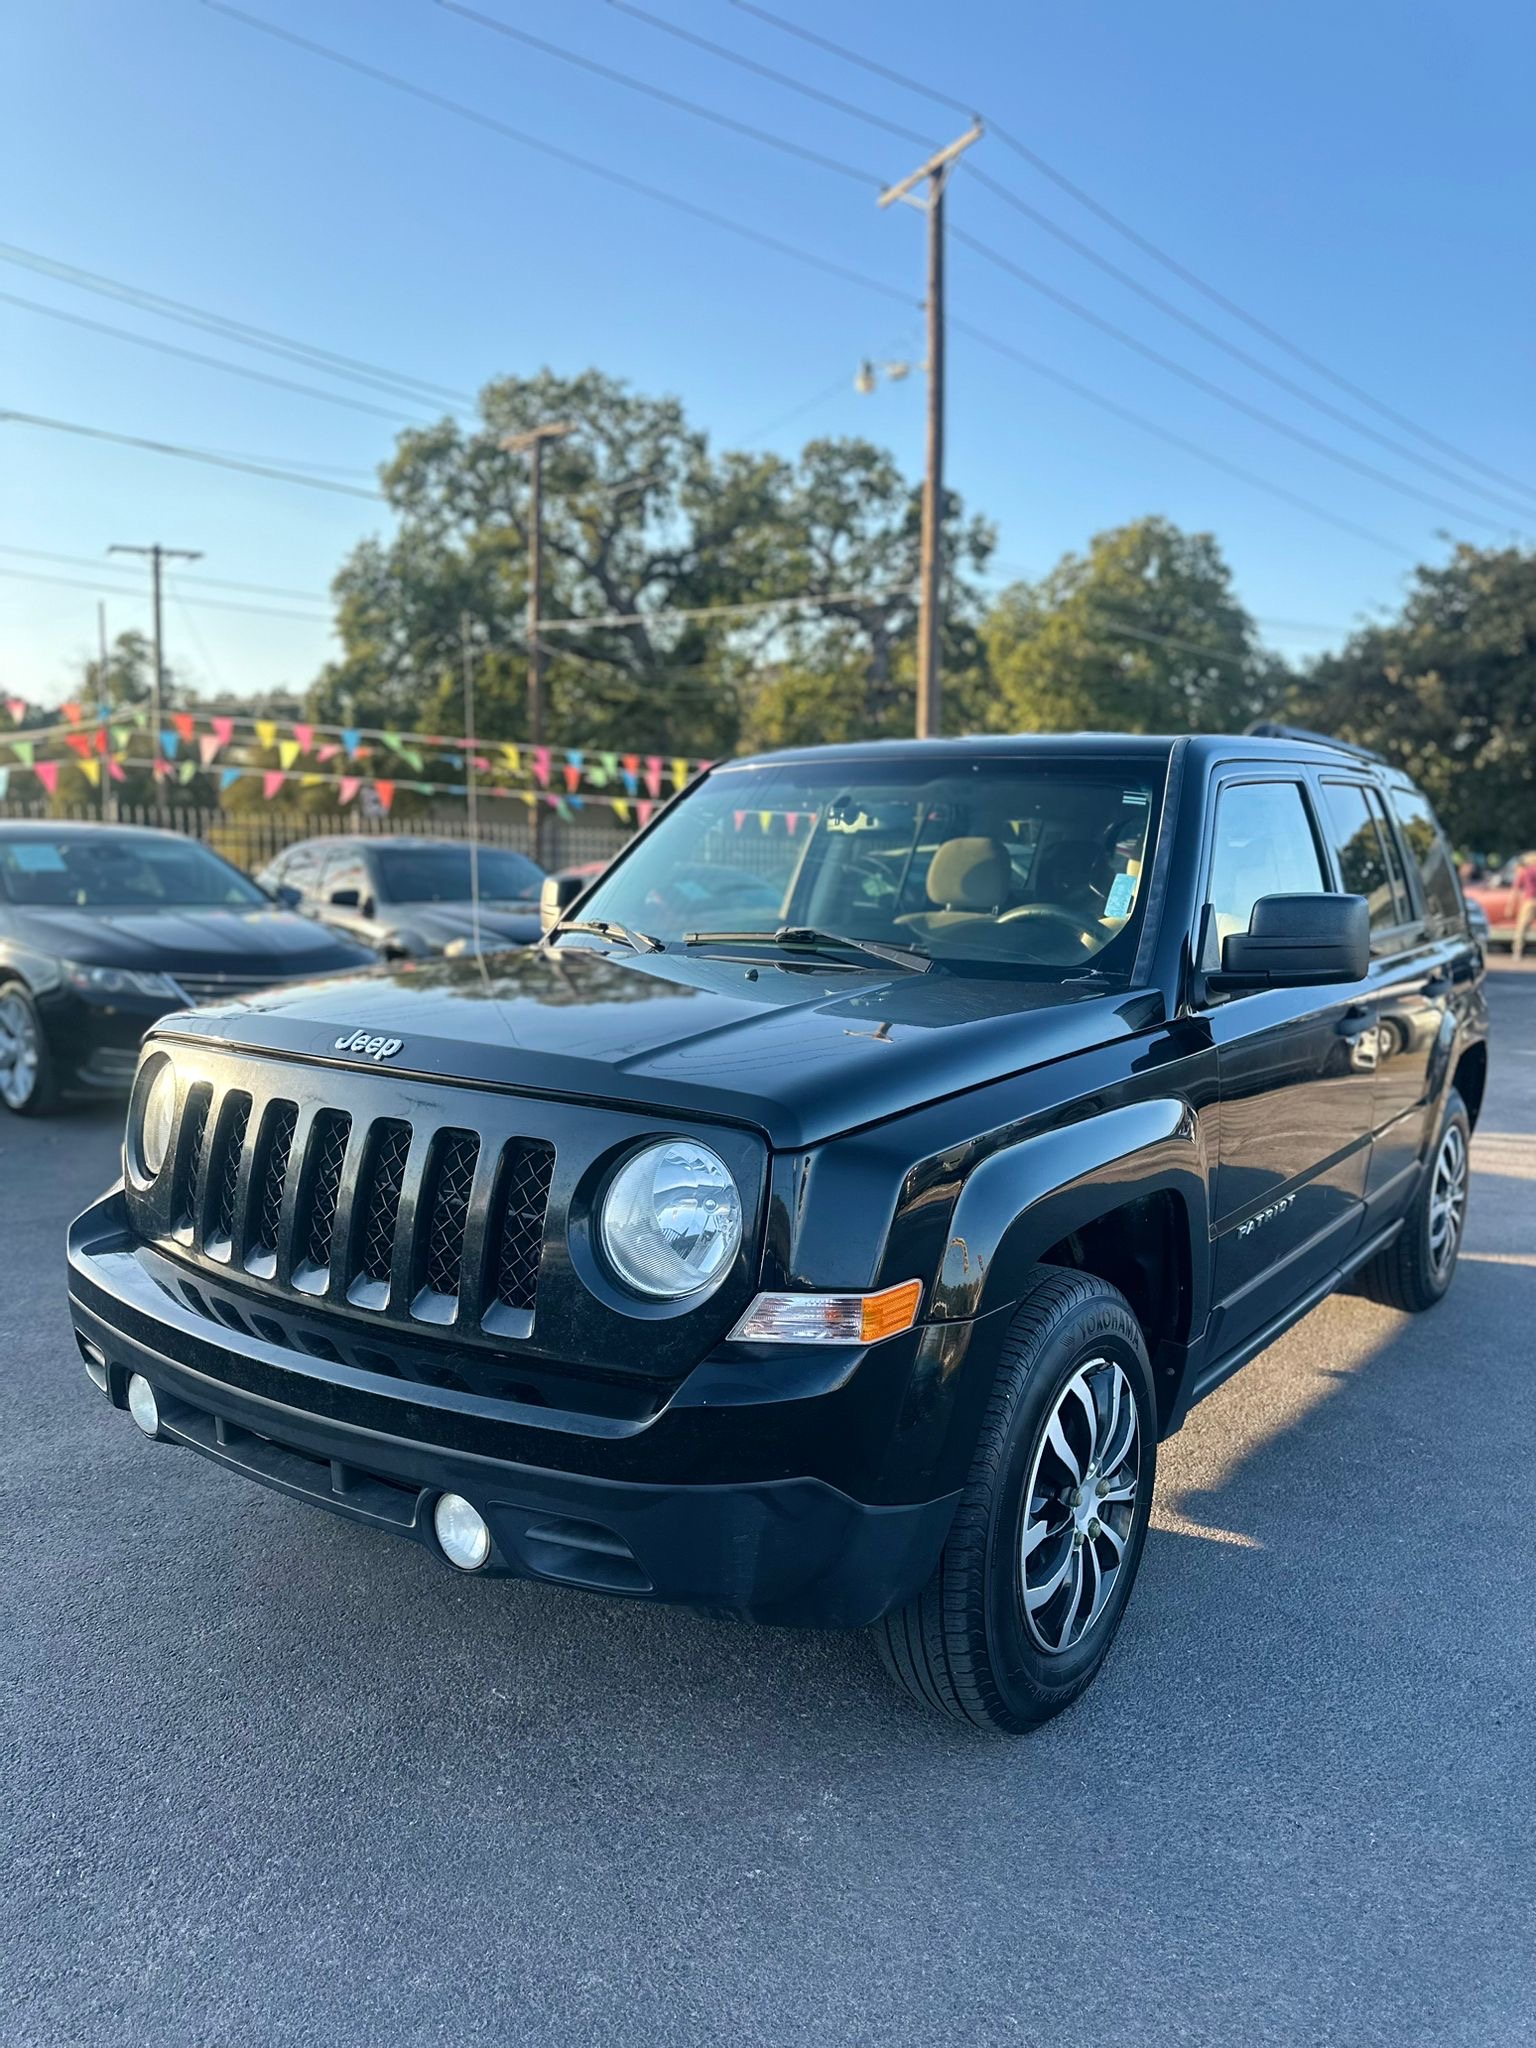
(1122, 894)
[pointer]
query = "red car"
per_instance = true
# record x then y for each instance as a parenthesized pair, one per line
(1496, 895)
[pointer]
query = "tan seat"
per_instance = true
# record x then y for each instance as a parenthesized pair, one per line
(968, 880)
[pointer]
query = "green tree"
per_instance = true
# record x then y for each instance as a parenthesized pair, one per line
(1141, 634)
(1448, 691)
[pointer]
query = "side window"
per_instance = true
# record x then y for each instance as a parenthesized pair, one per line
(1431, 856)
(297, 869)
(1264, 847)
(1368, 856)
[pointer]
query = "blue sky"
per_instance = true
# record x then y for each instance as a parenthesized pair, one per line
(1359, 176)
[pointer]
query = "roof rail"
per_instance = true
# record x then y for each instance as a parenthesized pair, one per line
(1272, 729)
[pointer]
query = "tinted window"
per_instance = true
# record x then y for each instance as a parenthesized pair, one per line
(1430, 854)
(120, 870)
(1368, 857)
(441, 874)
(345, 871)
(1264, 847)
(298, 868)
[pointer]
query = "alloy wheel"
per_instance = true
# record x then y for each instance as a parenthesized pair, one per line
(1080, 1506)
(1447, 1200)
(20, 1052)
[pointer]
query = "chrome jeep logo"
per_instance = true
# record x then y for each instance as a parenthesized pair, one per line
(374, 1048)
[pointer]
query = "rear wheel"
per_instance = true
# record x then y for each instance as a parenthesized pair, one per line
(1039, 1565)
(1416, 1269)
(27, 1082)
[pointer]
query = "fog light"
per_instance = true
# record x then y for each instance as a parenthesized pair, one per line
(142, 1405)
(462, 1532)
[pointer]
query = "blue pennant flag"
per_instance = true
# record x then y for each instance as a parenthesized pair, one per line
(168, 745)
(226, 777)
(351, 738)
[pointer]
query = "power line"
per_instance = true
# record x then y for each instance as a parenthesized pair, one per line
(622, 179)
(116, 590)
(192, 355)
(399, 383)
(1132, 235)
(1296, 434)
(207, 582)
(1136, 419)
(657, 92)
(1193, 377)
(288, 476)
(796, 253)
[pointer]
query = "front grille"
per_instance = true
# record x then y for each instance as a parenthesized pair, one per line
(447, 1205)
(418, 1224)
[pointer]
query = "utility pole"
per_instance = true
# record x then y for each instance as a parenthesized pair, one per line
(533, 443)
(931, 570)
(158, 555)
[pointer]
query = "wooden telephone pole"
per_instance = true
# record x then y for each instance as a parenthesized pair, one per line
(931, 571)
(157, 557)
(533, 443)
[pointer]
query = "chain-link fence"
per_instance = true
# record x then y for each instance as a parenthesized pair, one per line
(251, 838)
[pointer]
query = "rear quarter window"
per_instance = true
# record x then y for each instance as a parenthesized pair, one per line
(1430, 855)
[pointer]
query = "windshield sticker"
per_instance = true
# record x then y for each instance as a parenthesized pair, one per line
(1122, 894)
(36, 857)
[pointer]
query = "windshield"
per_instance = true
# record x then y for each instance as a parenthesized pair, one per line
(1018, 865)
(120, 871)
(441, 874)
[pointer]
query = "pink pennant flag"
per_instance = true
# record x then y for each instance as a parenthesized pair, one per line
(740, 818)
(791, 822)
(223, 730)
(643, 810)
(272, 782)
(328, 752)
(304, 734)
(162, 768)
(653, 769)
(386, 794)
(115, 770)
(47, 773)
(540, 759)
(17, 707)
(347, 788)
(208, 744)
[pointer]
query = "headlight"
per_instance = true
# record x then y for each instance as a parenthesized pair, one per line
(119, 981)
(670, 1223)
(155, 1121)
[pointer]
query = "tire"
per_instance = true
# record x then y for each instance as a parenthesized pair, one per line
(966, 1645)
(28, 1082)
(1417, 1267)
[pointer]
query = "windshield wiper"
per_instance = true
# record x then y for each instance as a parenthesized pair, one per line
(606, 928)
(808, 938)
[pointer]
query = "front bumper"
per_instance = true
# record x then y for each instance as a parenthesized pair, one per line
(712, 1510)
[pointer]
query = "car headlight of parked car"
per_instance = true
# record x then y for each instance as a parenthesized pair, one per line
(149, 1140)
(670, 1222)
(118, 981)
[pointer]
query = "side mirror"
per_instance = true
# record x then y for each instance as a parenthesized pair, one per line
(286, 896)
(1296, 942)
(557, 895)
(345, 899)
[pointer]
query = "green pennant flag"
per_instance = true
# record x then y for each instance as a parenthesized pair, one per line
(24, 750)
(120, 738)
(185, 770)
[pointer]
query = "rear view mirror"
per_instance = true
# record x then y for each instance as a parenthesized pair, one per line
(1297, 941)
(557, 895)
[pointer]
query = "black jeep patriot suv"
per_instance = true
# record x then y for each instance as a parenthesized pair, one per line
(841, 1260)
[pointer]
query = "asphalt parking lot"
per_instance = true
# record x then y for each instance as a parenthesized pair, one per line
(268, 1777)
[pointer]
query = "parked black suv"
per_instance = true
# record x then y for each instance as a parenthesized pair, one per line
(846, 1265)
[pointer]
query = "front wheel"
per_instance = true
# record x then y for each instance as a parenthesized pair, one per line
(27, 1083)
(1039, 1565)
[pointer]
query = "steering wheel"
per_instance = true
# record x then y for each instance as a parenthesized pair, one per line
(1089, 937)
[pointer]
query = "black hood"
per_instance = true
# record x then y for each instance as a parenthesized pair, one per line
(212, 941)
(801, 1051)
(437, 923)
